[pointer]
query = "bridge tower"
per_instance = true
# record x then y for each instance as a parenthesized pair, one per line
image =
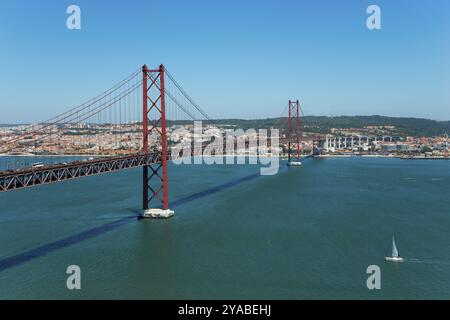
(154, 123)
(294, 132)
(446, 145)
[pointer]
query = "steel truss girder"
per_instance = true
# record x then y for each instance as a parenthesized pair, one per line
(51, 174)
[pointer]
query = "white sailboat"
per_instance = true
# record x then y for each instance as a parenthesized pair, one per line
(395, 257)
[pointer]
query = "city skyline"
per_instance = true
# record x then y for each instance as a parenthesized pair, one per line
(334, 65)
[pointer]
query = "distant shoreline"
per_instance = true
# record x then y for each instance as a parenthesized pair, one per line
(356, 155)
(380, 156)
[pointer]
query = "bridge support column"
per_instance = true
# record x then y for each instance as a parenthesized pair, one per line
(154, 123)
(294, 134)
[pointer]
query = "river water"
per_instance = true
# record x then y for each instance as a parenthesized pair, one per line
(305, 233)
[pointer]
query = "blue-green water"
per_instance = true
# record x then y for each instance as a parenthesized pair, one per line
(305, 233)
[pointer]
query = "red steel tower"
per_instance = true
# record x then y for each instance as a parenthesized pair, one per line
(154, 123)
(294, 128)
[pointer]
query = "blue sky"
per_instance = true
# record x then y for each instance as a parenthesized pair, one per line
(240, 59)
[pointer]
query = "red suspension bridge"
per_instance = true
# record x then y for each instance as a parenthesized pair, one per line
(124, 127)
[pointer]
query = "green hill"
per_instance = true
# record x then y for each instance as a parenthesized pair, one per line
(322, 124)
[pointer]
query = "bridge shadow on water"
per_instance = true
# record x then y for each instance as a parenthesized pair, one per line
(21, 258)
(45, 249)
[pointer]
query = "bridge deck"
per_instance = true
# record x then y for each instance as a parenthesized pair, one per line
(29, 177)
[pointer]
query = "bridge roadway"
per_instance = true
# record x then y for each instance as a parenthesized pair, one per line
(29, 177)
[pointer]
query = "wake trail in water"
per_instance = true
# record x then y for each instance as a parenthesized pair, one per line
(427, 261)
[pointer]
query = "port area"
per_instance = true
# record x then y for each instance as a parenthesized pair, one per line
(403, 157)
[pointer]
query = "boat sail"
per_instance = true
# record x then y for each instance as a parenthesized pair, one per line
(394, 249)
(395, 257)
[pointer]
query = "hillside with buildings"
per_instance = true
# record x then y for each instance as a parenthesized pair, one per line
(377, 125)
